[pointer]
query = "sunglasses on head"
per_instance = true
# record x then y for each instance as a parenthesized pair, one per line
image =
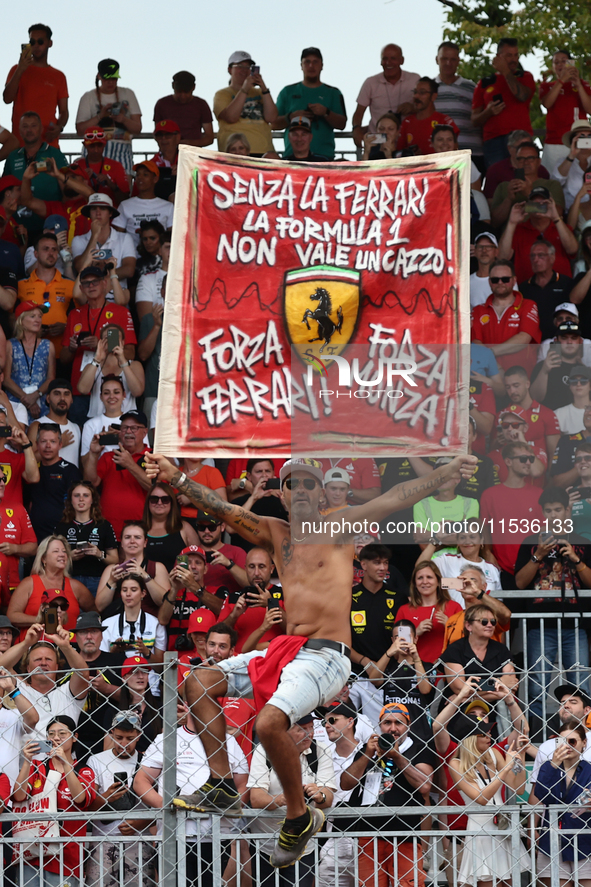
(292, 483)
(94, 137)
(156, 499)
(524, 459)
(500, 279)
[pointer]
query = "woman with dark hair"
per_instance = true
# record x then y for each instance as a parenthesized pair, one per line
(167, 534)
(115, 109)
(151, 239)
(134, 632)
(91, 537)
(135, 695)
(111, 364)
(132, 560)
(10, 196)
(381, 144)
(429, 608)
(566, 779)
(75, 791)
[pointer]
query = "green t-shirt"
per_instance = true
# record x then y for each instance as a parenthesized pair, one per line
(581, 515)
(502, 192)
(431, 510)
(44, 187)
(297, 97)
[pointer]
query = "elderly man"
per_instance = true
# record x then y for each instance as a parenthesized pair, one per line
(454, 98)
(417, 128)
(526, 225)
(501, 101)
(392, 90)
(547, 288)
(322, 105)
(474, 589)
(504, 170)
(191, 113)
(35, 149)
(518, 189)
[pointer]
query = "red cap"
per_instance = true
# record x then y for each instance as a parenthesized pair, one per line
(513, 412)
(53, 594)
(29, 305)
(132, 663)
(195, 549)
(150, 166)
(201, 620)
(166, 126)
(9, 182)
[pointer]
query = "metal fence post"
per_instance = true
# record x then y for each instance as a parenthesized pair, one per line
(168, 853)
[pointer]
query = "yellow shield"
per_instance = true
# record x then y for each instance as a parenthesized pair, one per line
(9, 512)
(321, 307)
(7, 471)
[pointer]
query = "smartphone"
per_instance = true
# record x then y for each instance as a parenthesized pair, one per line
(209, 556)
(587, 178)
(255, 69)
(498, 97)
(531, 207)
(112, 340)
(183, 561)
(488, 686)
(561, 741)
(50, 620)
(124, 564)
(545, 536)
(25, 47)
(273, 604)
(585, 492)
(5, 430)
(45, 746)
(405, 633)
(273, 484)
(556, 348)
(455, 583)
(121, 777)
(584, 144)
(41, 166)
(81, 544)
(109, 439)
(83, 334)
(103, 254)
(519, 174)
(379, 138)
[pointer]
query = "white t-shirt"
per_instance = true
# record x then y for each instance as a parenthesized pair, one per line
(71, 453)
(479, 290)
(120, 244)
(136, 210)
(58, 701)
(363, 730)
(547, 749)
(451, 565)
(482, 205)
(14, 736)
(367, 699)
(341, 764)
(149, 287)
(570, 419)
(89, 106)
(96, 407)
(153, 636)
(105, 765)
(192, 771)
(98, 425)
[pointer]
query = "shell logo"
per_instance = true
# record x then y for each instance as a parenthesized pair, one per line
(358, 617)
(77, 327)
(485, 318)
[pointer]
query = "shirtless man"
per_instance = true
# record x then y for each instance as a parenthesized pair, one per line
(317, 578)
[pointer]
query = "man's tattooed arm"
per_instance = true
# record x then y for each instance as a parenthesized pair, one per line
(250, 526)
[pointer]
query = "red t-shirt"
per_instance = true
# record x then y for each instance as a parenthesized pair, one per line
(217, 575)
(515, 114)
(364, 473)
(71, 211)
(108, 167)
(10, 234)
(15, 528)
(252, 619)
(502, 503)
(561, 116)
(84, 319)
(520, 317)
(418, 132)
(484, 402)
(541, 422)
(13, 466)
(430, 644)
(40, 89)
(523, 239)
(122, 497)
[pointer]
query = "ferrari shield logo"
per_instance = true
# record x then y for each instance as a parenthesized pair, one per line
(9, 512)
(389, 602)
(321, 307)
(6, 470)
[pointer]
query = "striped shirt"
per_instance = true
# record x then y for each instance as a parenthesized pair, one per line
(455, 100)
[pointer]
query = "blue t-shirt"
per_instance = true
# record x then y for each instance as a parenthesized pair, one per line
(482, 360)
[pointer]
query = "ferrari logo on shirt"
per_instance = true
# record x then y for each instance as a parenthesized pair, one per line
(534, 417)
(7, 471)
(108, 315)
(9, 512)
(389, 602)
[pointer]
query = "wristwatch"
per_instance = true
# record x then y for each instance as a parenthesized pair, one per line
(230, 564)
(480, 596)
(241, 483)
(535, 559)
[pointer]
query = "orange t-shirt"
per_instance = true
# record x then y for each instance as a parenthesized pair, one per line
(208, 477)
(60, 292)
(40, 89)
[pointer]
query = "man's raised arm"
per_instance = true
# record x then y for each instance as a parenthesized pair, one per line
(250, 526)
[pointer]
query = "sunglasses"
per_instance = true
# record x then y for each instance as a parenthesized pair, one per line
(94, 137)
(210, 525)
(486, 622)
(582, 459)
(61, 606)
(500, 279)
(524, 459)
(578, 380)
(292, 483)
(156, 499)
(127, 717)
(3, 479)
(36, 42)
(510, 424)
(331, 719)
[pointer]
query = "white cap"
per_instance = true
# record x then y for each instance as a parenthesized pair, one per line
(487, 234)
(238, 57)
(337, 474)
(567, 306)
(311, 466)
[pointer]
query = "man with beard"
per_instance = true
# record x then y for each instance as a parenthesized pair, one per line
(225, 562)
(59, 400)
(416, 129)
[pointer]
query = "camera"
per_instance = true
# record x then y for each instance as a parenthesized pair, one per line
(379, 138)
(183, 643)
(533, 207)
(41, 166)
(273, 484)
(386, 741)
(584, 144)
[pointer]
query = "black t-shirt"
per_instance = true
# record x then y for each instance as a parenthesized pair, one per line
(485, 475)
(47, 497)
(394, 789)
(564, 455)
(401, 685)
(92, 725)
(547, 298)
(374, 614)
(96, 533)
(553, 572)
(461, 653)
(558, 392)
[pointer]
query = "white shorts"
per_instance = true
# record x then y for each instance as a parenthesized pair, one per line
(566, 868)
(312, 678)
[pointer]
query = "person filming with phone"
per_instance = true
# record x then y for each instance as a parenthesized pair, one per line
(570, 173)
(265, 498)
(110, 361)
(133, 560)
(248, 611)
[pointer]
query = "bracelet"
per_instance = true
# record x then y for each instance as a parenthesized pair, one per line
(26, 446)
(357, 126)
(480, 596)
(114, 277)
(535, 559)
(265, 91)
(570, 159)
(95, 363)
(110, 587)
(167, 599)
(181, 480)
(580, 567)
(123, 365)
(16, 692)
(323, 796)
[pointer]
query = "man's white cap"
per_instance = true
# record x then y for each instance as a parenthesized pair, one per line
(312, 466)
(238, 57)
(488, 236)
(567, 306)
(337, 474)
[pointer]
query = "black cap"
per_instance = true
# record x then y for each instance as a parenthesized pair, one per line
(108, 69)
(89, 620)
(540, 191)
(569, 326)
(307, 719)
(93, 271)
(311, 50)
(347, 711)
(572, 690)
(465, 726)
(204, 518)
(58, 383)
(6, 623)
(139, 417)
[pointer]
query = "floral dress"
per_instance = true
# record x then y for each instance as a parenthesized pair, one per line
(30, 372)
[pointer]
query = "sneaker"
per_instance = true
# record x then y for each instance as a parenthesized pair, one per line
(289, 848)
(211, 799)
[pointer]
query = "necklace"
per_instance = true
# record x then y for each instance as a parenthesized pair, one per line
(295, 539)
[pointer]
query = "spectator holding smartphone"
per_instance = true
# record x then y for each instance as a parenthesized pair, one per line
(226, 562)
(187, 594)
(265, 498)
(107, 422)
(381, 144)
(245, 105)
(429, 608)
(133, 631)
(565, 98)
(246, 611)
(136, 695)
(133, 560)
(111, 361)
(570, 173)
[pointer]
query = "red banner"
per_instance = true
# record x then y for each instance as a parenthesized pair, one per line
(277, 267)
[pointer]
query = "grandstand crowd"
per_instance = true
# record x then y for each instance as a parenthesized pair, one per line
(450, 696)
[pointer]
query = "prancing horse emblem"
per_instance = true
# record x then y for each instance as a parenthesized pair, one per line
(326, 327)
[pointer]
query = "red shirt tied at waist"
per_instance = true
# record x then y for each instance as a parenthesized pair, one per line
(265, 671)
